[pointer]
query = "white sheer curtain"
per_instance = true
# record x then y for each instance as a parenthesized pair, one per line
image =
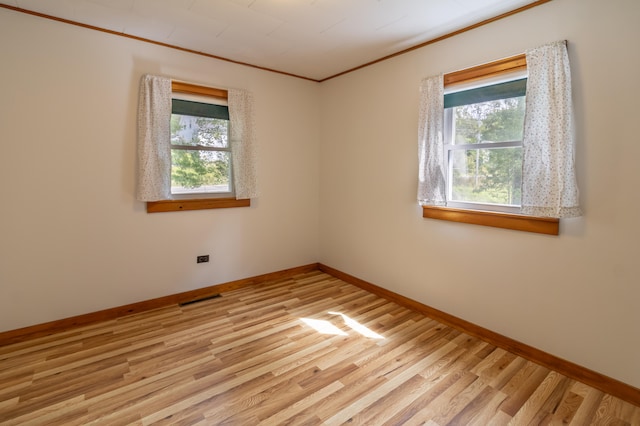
(548, 172)
(431, 171)
(154, 139)
(242, 139)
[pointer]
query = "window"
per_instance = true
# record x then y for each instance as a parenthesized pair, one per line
(196, 146)
(483, 129)
(483, 160)
(200, 150)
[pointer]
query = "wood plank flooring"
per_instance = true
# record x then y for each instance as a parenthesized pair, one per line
(307, 350)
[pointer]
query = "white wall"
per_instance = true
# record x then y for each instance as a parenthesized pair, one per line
(72, 237)
(576, 295)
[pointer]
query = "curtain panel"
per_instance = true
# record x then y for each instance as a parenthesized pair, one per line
(242, 136)
(549, 185)
(154, 139)
(431, 161)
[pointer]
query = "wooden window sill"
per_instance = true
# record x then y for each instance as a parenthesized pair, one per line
(195, 204)
(541, 225)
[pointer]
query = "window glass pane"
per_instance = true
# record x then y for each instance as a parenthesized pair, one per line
(486, 175)
(199, 171)
(494, 121)
(190, 130)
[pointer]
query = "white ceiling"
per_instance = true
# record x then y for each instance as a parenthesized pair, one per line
(315, 39)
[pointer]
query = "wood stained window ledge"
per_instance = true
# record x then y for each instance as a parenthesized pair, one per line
(540, 225)
(196, 204)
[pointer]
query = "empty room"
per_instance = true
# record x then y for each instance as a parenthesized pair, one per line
(307, 212)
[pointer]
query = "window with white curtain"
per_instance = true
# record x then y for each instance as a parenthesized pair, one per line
(194, 142)
(498, 138)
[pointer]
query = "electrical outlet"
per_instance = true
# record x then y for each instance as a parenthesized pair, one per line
(202, 259)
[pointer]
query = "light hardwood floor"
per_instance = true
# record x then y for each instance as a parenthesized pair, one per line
(253, 356)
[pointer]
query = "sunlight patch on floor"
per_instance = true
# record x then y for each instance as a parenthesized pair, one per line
(325, 327)
(357, 327)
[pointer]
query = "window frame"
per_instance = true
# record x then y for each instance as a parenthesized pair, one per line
(199, 201)
(450, 146)
(464, 214)
(227, 149)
